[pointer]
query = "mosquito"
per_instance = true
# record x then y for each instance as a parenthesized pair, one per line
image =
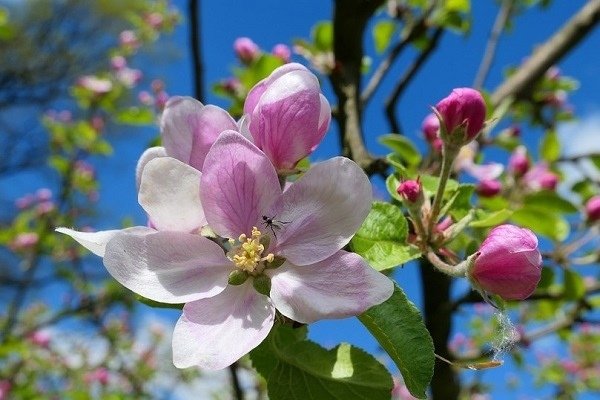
(272, 223)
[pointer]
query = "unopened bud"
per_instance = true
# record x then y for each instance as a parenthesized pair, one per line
(592, 209)
(509, 263)
(489, 188)
(462, 116)
(518, 163)
(411, 191)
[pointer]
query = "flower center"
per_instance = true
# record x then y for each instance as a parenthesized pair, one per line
(247, 256)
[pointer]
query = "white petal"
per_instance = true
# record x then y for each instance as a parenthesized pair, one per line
(170, 194)
(214, 333)
(170, 267)
(93, 241)
(149, 154)
(341, 286)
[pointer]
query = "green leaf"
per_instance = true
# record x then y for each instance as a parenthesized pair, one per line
(551, 201)
(460, 203)
(431, 183)
(157, 304)
(574, 286)
(381, 239)
(458, 5)
(391, 183)
(295, 368)
(135, 116)
(403, 147)
(585, 189)
(550, 147)
(399, 329)
(382, 34)
(396, 161)
(322, 35)
(547, 278)
(542, 222)
(596, 161)
(485, 220)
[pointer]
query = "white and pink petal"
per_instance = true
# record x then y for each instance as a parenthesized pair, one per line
(238, 184)
(341, 286)
(147, 155)
(170, 194)
(214, 333)
(93, 241)
(322, 210)
(169, 267)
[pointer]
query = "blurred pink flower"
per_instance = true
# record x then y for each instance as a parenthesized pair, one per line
(592, 209)
(5, 387)
(24, 240)
(99, 375)
(282, 52)
(43, 194)
(246, 49)
(129, 39)
(40, 338)
(129, 77)
(118, 62)
(94, 84)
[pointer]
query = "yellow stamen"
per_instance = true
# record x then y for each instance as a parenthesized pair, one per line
(248, 254)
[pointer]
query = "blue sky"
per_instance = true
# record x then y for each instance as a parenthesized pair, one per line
(269, 22)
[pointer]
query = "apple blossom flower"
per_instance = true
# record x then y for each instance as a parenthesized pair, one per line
(155, 20)
(508, 264)
(284, 250)
(24, 240)
(518, 163)
(129, 39)
(43, 194)
(282, 52)
(94, 84)
(592, 208)
(5, 387)
(286, 115)
(188, 129)
(118, 62)
(462, 116)
(465, 161)
(540, 177)
(99, 375)
(246, 50)
(40, 338)
(129, 77)
(488, 188)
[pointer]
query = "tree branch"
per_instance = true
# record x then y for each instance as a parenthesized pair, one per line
(548, 54)
(409, 74)
(490, 49)
(196, 49)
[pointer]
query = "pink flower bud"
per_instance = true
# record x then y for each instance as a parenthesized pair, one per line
(129, 77)
(155, 20)
(515, 131)
(431, 128)
(462, 115)
(43, 194)
(592, 209)
(411, 190)
(24, 202)
(40, 338)
(282, 52)
(129, 39)
(118, 62)
(509, 263)
(549, 181)
(518, 162)
(5, 387)
(24, 240)
(287, 115)
(145, 98)
(99, 375)
(246, 49)
(489, 188)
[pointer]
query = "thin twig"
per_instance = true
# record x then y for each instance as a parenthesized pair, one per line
(196, 49)
(409, 74)
(548, 54)
(492, 44)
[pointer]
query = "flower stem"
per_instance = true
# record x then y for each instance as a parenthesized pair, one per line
(448, 156)
(458, 270)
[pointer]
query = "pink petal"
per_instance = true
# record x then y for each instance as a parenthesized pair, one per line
(257, 91)
(149, 154)
(189, 129)
(286, 121)
(322, 211)
(170, 194)
(341, 286)
(214, 333)
(177, 124)
(93, 241)
(170, 267)
(238, 184)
